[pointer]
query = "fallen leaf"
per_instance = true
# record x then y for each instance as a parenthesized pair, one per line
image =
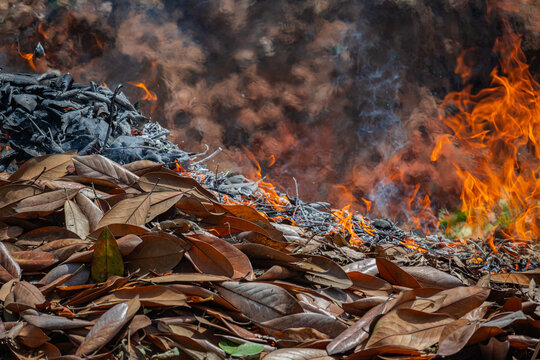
(325, 324)
(259, 301)
(75, 219)
(161, 202)
(46, 202)
(298, 354)
(52, 322)
(166, 181)
(90, 210)
(34, 260)
(461, 300)
(207, 259)
(155, 253)
(132, 211)
(428, 276)
(407, 327)
(149, 296)
(99, 167)
(32, 336)
(360, 330)
(395, 275)
(107, 326)
(107, 259)
(46, 167)
(239, 261)
(9, 269)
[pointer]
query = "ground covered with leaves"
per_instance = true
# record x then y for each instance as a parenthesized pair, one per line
(110, 261)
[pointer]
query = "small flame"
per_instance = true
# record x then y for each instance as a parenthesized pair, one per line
(27, 56)
(42, 31)
(150, 95)
(272, 160)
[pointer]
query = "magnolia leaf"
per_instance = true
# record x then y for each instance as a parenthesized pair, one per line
(239, 350)
(107, 259)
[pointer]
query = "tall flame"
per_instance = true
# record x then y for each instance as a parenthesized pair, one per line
(500, 128)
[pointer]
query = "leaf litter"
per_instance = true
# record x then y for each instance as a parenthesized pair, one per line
(100, 260)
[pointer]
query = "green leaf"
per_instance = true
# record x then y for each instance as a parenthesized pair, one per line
(239, 350)
(107, 259)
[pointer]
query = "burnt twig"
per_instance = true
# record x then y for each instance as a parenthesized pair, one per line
(112, 110)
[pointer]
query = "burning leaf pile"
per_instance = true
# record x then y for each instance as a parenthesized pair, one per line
(104, 260)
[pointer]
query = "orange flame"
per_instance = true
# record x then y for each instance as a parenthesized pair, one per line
(500, 127)
(279, 202)
(42, 31)
(27, 56)
(150, 95)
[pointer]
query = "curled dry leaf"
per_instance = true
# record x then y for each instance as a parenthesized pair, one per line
(298, 354)
(428, 276)
(155, 253)
(27, 294)
(395, 275)
(132, 211)
(166, 181)
(240, 262)
(207, 259)
(34, 260)
(149, 296)
(107, 326)
(52, 322)
(408, 327)
(75, 219)
(325, 324)
(46, 202)
(99, 167)
(92, 212)
(259, 301)
(46, 167)
(9, 269)
(12, 194)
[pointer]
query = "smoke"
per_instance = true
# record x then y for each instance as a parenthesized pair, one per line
(343, 94)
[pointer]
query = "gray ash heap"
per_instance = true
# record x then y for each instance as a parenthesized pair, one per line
(50, 113)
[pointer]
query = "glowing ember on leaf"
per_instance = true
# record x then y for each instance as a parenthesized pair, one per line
(500, 128)
(150, 95)
(411, 244)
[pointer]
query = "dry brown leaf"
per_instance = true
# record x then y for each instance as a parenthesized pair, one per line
(99, 167)
(407, 327)
(46, 167)
(298, 354)
(154, 253)
(161, 202)
(33, 260)
(92, 212)
(207, 259)
(166, 181)
(108, 325)
(75, 219)
(9, 269)
(239, 261)
(149, 296)
(259, 301)
(395, 275)
(133, 211)
(46, 202)
(11, 194)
